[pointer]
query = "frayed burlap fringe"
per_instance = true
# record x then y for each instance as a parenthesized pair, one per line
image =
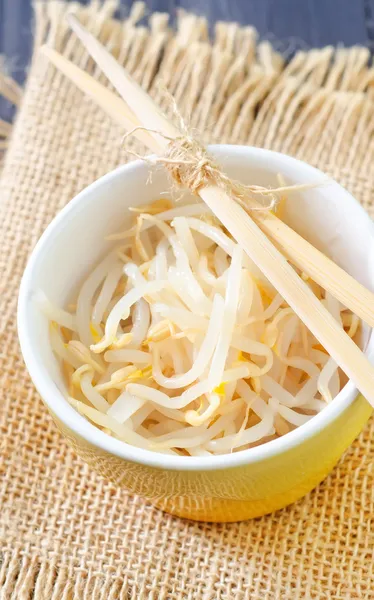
(12, 93)
(65, 533)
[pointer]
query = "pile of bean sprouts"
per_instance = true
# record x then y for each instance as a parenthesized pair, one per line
(178, 344)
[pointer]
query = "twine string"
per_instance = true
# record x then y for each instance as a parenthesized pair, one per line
(190, 166)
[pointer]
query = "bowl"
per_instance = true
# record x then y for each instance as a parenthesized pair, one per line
(222, 488)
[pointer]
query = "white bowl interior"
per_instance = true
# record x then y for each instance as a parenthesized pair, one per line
(326, 215)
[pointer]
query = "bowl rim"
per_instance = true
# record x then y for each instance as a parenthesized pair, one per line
(59, 406)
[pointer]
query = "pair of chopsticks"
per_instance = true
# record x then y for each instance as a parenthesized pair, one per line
(255, 232)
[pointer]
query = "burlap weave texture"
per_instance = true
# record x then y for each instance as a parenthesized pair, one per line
(65, 533)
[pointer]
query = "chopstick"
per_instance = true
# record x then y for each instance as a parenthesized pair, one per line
(299, 251)
(244, 230)
(115, 108)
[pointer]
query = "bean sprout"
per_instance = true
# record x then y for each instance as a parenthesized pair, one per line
(182, 347)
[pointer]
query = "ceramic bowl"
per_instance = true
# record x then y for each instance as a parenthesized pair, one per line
(228, 487)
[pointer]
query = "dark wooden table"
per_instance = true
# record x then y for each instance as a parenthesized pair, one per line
(289, 24)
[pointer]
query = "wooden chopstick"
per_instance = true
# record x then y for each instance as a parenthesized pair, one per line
(299, 251)
(115, 74)
(242, 227)
(114, 106)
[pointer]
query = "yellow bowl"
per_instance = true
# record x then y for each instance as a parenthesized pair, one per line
(228, 487)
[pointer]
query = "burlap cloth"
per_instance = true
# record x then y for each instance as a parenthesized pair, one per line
(66, 533)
